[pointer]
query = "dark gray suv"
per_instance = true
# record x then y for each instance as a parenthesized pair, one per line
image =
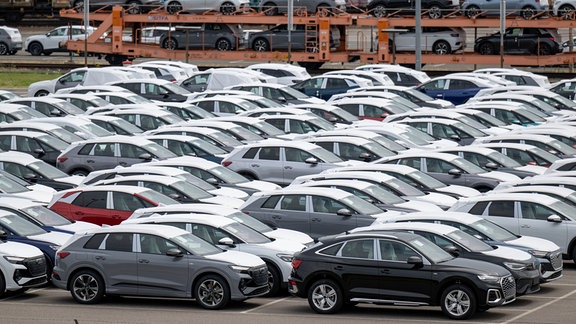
(222, 37)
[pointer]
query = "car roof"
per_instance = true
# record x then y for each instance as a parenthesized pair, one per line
(343, 139)
(213, 220)
(358, 184)
(425, 154)
(118, 188)
(397, 168)
(136, 140)
(163, 179)
(160, 230)
(440, 229)
(544, 189)
(205, 208)
(519, 196)
(298, 190)
(459, 217)
(17, 157)
(17, 202)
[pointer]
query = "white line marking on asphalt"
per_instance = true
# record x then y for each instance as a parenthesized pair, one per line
(265, 305)
(18, 295)
(540, 307)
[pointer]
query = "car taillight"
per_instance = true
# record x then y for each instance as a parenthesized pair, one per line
(62, 254)
(62, 159)
(551, 38)
(226, 163)
(296, 263)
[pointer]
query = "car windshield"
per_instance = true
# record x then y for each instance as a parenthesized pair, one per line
(360, 205)
(170, 118)
(416, 94)
(468, 241)
(157, 197)
(563, 210)
(250, 222)
(503, 160)
(291, 93)
(137, 99)
(65, 135)
(176, 89)
(46, 170)
(92, 128)
(68, 108)
(196, 245)
(543, 154)
(227, 175)
(417, 136)
(126, 126)
(377, 149)
(425, 179)
(388, 143)
(325, 155)
(321, 124)
(20, 226)
(205, 146)
(492, 231)
(433, 252)
(560, 146)
(191, 190)
(472, 131)
(46, 216)
(382, 195)
(467, 166)
(10, 186)
(158, 151)
(485, 119)
(402, 188)
(246, 234)
(53, 142)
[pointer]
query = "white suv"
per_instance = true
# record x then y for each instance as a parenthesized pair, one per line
(10, 40)
(21, 266)
(51, 42)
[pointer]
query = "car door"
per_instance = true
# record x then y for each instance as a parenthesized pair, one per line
(89, 206)
(440, 169)
(503, 213)
(324, 218)
(533, 221)
(129, 154)
(117, 260)
(290, 212)
(399, 280)
(512, 40)
(158, 273)
(55, 36)
(297, 162)
(459, 91)
(267, 164)
(70, 79)
(434, 89)
(123, 204)
(100, 156)
(359, 267)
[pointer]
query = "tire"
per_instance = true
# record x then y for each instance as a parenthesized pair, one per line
(458, 302)
(47, 53)
(35, 49)
(134, 7)
(261, 45)
(174, 7)
(486, 49)
(566, 12)
(4, 49)
(472, 11)
(87, 287)
(274, 280)
(528, 12)
(223, 45)
(227, 8)
(270, 9)
(574, 255)
(435, 12)
(544, 49)
(2, 285)
(13, 52)
(379, 11)
(41, 93)
(80, 172)
(325, 297)
(170, 43)
(309, 66)
(442, 47)
(212, 292)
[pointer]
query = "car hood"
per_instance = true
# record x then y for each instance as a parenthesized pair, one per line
(40, 196)
(509, 253)
(419, 205)
(259, 185)
(284, 245)
(230, 192)
(535, 243)
(19, 249)
(73, 180)
(442, 200)
(349, 163)
(533, 168)
(459, 190)
(56, 238)
(495, 130)
(237, 258)
(291, 235)
(223, 200)
(77, 227)
(473, 266)
(500, 176)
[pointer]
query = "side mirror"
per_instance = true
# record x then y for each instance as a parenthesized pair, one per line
(452, 250)
(455, 138)
(31, 177)
(344, 212)
(39, 152)
(455, 172)
(554, 219)
(191, 154)
(281, 99)
(175, 196)
(3, 236)
(491, 166)
(226, 241)
(416, 261)
(311, 160)
(213, 182)
(175, 253)
(145, 156)
(366, 156)
(55, 112)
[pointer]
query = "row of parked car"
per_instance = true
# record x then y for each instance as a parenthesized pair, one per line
(266, 186)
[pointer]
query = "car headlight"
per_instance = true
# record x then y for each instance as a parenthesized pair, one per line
(285, 257)
(14, 259)
(489, 278)
(239, 268)
(538, 254)
(515, 265)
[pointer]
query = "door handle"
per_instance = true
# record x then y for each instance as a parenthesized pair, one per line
(276, 217)
(123, 163)
(89, 161)
(99, 257)
(525, 226)
(315, 219)
(143, 261)
(78, 213)
(255, 165)
(288, 168)
(338, 268)
(385, 271)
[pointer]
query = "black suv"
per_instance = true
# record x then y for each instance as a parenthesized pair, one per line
(396, 268)
(536, 41)
(434, 8)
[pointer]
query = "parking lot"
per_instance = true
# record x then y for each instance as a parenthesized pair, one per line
(553, 304)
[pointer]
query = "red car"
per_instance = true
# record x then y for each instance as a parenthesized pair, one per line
(108, 204)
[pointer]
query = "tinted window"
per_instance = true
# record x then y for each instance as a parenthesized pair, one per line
(501, 208)
(119, 242)
(271, 202)
(91, 199)
(361, 249)
(479, 208)
(95, 241)
(293, 202)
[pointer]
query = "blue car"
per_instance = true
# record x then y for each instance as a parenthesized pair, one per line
(325, 86)
(23, 231)
(183, 145)
(456, 89)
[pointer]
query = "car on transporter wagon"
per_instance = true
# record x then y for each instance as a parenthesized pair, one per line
(397, 268)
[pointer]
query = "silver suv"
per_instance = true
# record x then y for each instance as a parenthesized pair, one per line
(156, 261)
(10, 40)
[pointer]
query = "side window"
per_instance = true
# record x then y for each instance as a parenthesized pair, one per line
(25, 144)
(5, 142)
(293, 202)
(535, 211)
(361, 249)
(332, 250)
(436, 239)
(269, 153)
(323, 204)
(436, 165)
(91, 199)
(271, 202)
(104, 149)
(478, 208)
(411, 162)
(502, 208)
(127, 202)
(153, 244)
(95, 241)
(18, 170)
(130, 151)
(251, 153)
(395, 251)
(119, 242)
(297, 155)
